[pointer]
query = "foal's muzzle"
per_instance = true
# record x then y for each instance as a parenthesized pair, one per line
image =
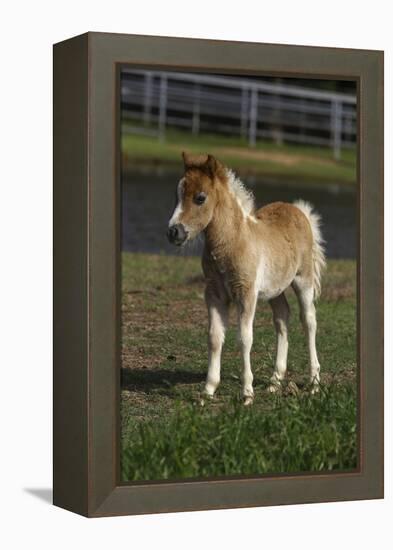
(177, 234)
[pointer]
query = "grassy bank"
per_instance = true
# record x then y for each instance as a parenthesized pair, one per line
(166, 434)
(282, 162)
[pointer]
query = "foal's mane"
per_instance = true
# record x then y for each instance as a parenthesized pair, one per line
(244, 196)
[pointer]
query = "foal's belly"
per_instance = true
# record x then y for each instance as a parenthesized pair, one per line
(271, 283)
(269, 293)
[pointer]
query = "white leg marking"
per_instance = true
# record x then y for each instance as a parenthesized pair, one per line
(280, 309)
(218, 317)
(309, 320)
(246, 318)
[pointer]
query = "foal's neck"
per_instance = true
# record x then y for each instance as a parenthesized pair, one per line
(226, 227)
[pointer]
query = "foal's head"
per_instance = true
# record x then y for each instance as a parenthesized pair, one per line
(196, 198)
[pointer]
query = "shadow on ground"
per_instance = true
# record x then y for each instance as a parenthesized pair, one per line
(145, 379)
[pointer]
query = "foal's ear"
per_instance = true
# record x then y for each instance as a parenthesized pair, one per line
(186, 159)
(208, 165)
(211, 166)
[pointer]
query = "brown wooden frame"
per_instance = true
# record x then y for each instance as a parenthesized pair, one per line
(86, 272)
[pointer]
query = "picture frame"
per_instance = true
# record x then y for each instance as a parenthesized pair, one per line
(86, 372)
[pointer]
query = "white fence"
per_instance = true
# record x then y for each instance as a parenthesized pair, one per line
(248, 108)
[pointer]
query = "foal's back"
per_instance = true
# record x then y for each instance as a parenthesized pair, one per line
(287, 240)
(284, 224)
(284, 216)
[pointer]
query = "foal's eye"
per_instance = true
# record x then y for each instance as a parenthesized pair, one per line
(200, 198)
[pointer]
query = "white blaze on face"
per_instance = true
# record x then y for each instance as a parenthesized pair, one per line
(179, 207)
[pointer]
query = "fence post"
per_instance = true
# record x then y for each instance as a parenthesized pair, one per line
(244, 111)
(196, 110)
(162, 107)
(148, 96)
(302, 121)
(277, 124)
(252, 130)
(336, 127)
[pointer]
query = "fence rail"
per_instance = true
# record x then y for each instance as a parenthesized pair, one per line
(251, 109)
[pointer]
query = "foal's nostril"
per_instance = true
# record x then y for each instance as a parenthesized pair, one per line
(177, 234)
(172, 233)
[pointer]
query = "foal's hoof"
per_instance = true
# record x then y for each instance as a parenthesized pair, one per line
(314, 389)
(248, 400)
(206, 398)
(274, 388)
(292, 388)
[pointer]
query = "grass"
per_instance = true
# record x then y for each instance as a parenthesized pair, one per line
(299, 434)
(166, 434)
(292, 163)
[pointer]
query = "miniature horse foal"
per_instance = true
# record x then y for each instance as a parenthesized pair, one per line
(248, 254)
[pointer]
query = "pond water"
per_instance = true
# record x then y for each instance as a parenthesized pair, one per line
(148, 202)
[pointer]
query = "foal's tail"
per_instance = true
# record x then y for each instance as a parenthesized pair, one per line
(318, 250)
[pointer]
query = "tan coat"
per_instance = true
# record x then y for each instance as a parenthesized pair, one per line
(248, 254)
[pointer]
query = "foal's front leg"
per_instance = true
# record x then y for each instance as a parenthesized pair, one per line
(246, 312)
(218, 319)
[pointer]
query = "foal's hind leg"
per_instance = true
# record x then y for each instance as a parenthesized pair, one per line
(305, 295)
(280, 309)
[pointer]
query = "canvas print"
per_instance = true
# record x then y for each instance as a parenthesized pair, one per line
(238, 275)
